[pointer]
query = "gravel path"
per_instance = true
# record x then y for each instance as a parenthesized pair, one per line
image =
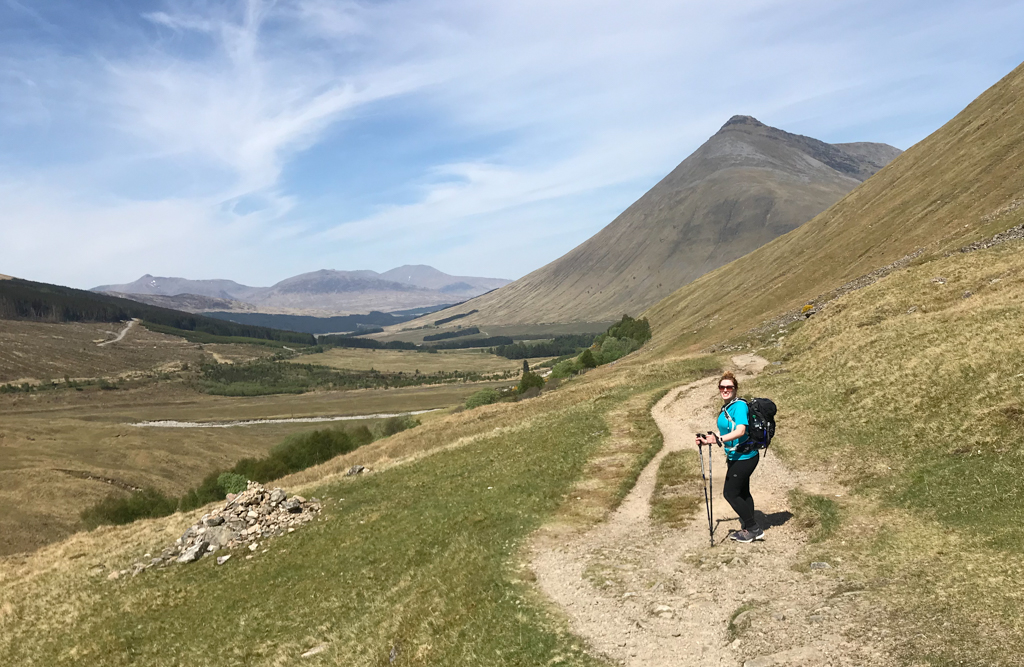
(121, 335)
(642, 594)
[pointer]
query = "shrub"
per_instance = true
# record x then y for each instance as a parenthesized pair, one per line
(530, 381)
(567, 368)
(394, 425)
(231, 482)
(118, 510)
(552, 384)
(482, 397)
(615, 348)
(587, 359)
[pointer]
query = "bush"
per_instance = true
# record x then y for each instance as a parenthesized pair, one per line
(587, 359)
(615, 348)
(627, 327)
(552, 384)
(482, 397)
(394, 425)
(567, 368)
(530, 381)
(118, 510)
(231, 482)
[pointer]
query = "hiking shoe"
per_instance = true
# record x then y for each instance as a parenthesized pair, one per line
(744, 536)
(758, 533)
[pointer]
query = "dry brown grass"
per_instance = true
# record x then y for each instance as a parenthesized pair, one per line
(408, 361)
(38, 351)
(910, 392)
(90, 433)
(940, 194)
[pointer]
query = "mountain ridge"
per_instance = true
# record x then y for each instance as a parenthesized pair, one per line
(747, 184)
(326, 291)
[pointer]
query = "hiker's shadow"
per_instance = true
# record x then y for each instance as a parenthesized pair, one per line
(773, 520)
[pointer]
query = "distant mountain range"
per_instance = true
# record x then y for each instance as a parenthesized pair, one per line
(323, 293)
(748, 184)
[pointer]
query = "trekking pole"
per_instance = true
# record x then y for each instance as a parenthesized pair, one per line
(708, 498)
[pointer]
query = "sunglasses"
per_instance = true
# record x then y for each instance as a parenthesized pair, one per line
(723, 387)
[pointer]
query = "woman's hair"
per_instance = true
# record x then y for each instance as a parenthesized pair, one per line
(729, 376)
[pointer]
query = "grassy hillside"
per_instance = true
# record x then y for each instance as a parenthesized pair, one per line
(748, 184)
(956, 186)
(42, 302)
(908, 390)
(421, 559)
(912, 392)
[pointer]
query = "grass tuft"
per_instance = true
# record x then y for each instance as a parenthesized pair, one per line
(817, 514)
(677, 491)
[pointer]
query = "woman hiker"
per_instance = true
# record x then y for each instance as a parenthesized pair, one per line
(732, 427)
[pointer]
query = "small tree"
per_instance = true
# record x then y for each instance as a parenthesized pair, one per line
(587, 359)
(526, 366)
(529, 381)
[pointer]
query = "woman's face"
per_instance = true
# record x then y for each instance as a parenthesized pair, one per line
(727, 390)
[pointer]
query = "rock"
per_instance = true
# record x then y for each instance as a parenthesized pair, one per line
(277, 496)
(220, 536)
(354, 470)
(319, 648)
(254, 546)
(815, 618)
(779, 616)
(193, 553)
(967, 295)
(215, 520)
(939, 280)
(223, 559)
(662, 610)
(113, 576)
(820, 566)
(742, 620)
(292, 506)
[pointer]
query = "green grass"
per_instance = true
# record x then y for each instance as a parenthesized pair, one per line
(430, 569)
(911, 391)
(817, 514)
(677, 490)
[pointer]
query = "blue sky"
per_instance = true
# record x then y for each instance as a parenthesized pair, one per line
(256, 140)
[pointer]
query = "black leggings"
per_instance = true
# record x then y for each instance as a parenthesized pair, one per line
(737, 490)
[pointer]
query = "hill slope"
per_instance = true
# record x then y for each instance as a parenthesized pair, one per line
(962, 183)
(748, 184)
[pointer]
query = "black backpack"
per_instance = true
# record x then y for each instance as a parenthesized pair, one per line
(761, 426)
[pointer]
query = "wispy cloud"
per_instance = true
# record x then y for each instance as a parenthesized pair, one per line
(194, 137)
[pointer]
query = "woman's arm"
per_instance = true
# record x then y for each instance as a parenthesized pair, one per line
(736, 433)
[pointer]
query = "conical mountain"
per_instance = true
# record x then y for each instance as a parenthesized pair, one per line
(748, 184)
(962, 184)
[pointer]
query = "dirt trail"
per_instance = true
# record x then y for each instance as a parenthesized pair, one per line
(642, 594)
(121, 335)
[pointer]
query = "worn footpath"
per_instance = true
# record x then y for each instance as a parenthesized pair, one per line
(642, 594)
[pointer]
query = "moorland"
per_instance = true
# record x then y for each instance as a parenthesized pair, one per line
(890, 324)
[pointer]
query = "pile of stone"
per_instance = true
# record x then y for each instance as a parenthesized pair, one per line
(253, 515)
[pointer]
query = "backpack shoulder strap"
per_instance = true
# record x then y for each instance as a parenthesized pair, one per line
(725, 409)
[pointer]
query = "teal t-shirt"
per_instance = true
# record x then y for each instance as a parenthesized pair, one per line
(737, 412)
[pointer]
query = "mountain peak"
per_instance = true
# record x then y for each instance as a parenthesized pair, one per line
(743, 120)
